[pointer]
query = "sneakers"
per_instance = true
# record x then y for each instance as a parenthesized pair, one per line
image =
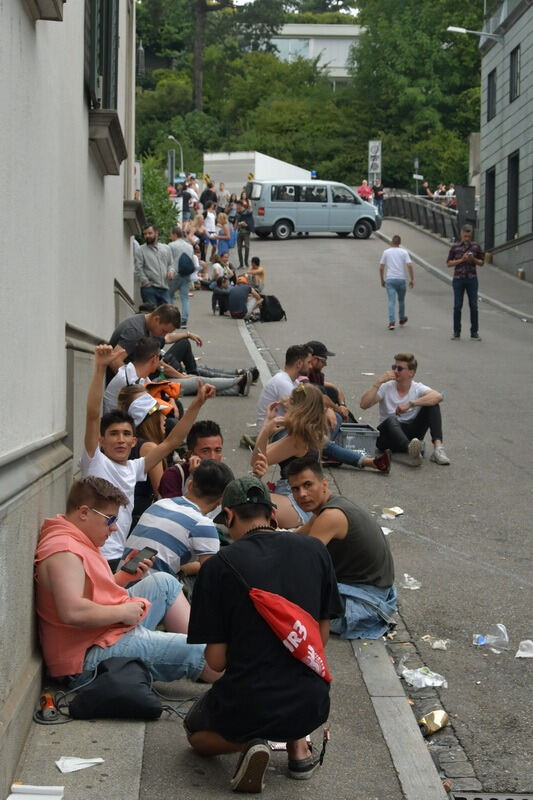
(244, 383)
(404, 320)
(383, 462)
(456, 336)
(415, 452)
(251, 767)
(439, 455)
(476, 337)
(391, 326)
(304, 768)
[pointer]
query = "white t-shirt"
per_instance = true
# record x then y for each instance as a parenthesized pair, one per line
(278, 387)
(126, 376)
(216, 271)
(389, 399)
(395, 260)
(210, 223)
(124, 477)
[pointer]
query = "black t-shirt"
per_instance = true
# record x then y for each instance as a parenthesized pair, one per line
(208, 196)
(265, 692)
(363, 556)
(185, 200)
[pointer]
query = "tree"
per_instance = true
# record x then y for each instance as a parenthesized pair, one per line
(158, 208)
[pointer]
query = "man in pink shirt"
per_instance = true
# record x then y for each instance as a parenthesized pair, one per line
(85, 613)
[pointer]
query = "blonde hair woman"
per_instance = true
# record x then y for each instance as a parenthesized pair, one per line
(223, 236)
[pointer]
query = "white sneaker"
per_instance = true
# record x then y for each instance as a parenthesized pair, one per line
(439, 455)
(415, 452)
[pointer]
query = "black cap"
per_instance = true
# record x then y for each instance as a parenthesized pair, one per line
(319, 349)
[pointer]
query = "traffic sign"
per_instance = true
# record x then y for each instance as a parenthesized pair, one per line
(418, 177)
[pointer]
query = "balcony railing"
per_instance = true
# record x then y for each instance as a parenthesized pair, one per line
(422, 211)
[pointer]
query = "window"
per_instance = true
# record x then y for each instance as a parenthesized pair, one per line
(343, 195)
(313, 194)
(490, 204)
(255, 193)
(514, 74)
(101, 52)
(513, 186)
(283, 192)
(491, 95)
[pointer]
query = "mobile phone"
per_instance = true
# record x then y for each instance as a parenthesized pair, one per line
(132, 565)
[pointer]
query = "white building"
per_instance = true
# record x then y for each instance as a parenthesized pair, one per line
(67, 144)
(330, 43)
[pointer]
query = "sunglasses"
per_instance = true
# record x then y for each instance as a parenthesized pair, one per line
(397, 368)
(111, 518)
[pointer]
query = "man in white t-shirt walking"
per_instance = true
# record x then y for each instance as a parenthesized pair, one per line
(407, 409)
(279, 387)
(392, 269)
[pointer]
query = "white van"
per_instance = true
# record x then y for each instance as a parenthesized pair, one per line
(286, 207)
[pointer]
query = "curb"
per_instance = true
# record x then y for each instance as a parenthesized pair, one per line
(437, 273)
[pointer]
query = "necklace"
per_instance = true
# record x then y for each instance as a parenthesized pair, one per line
(258, 528)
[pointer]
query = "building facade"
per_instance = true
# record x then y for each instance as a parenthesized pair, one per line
(506, 145)
(331, 44)
(66, 178)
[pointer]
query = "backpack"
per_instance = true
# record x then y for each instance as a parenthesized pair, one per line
(185, 265)
(121, 688)
(271, 309)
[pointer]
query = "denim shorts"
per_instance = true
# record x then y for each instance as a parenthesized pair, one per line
(167, 655)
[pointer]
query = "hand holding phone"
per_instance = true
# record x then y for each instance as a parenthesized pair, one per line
(132, 565)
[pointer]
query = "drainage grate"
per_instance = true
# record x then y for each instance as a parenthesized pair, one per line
(491, 796)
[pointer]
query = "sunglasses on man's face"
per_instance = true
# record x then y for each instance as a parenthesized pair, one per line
(110, 518)
(398, 368)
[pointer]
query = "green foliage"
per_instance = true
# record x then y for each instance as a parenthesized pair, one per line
(158, 208)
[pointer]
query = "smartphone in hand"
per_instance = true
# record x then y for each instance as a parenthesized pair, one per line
(132, 565)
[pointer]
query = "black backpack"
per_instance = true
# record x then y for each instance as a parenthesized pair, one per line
(185, 265)
(271, 309)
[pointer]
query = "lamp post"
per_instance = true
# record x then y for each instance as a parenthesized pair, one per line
(173, 139)
(498, 37)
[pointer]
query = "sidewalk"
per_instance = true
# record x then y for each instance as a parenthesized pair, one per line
(497, 288)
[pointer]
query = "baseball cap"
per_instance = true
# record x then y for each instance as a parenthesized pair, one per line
(245, 491)
(242, 279)
(143, 406)
(319, 349)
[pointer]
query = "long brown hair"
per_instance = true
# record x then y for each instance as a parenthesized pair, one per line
(150, 427)
(306, 417)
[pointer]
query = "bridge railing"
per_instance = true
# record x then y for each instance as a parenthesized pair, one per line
(422, 211)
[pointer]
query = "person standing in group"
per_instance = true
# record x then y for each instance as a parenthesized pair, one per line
(180, 283)
(244, 225)
(223, 197)
(377, 193)
(395, 260)
(464, 257)
(153, 268)
(364, 191)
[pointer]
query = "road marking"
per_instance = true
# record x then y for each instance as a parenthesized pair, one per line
(259, 361)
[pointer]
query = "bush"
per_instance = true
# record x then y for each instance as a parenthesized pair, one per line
(158, 208)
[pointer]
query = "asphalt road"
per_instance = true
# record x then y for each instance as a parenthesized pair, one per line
(465, 533)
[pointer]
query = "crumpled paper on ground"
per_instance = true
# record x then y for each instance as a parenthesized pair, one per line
(72, 764)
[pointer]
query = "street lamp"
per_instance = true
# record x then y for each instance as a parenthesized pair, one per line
(497, 36)
(173, 139)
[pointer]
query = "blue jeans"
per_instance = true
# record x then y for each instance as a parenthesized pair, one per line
(181, 284)
(155, 294)
(460, 286)
(352, 457)
(167, 655)
(396, 287)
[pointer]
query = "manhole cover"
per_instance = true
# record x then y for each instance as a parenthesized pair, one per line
(491, 796)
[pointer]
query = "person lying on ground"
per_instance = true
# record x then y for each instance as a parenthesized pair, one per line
(407, 410)
(243, 709)
(85, 614)
(178, 527)
(358, 548)
(108, 443)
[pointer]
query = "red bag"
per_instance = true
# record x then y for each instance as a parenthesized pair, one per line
(297, 630)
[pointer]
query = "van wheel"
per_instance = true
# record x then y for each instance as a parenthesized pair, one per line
(263, 234)
(282, 229)
(342, 234)
(362, 229)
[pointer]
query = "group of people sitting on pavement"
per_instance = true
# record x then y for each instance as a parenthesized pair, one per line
(207, 551)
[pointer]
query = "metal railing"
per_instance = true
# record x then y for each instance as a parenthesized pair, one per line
(422, 211)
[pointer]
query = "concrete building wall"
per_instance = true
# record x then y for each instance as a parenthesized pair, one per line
(65, 252)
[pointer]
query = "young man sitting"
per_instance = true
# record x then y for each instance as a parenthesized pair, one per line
(359, 551)
(85, 614)
(204, 440)
(243, 300)
(265, 692)
(108, 445)
(178, 528)
(144, 361)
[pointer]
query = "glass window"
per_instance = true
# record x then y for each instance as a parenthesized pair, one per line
(283, 192)
(514, 74)
(255, 192)
(101, 52)
(313, 194)
(513, 194)
(343, 195)
(491, 95)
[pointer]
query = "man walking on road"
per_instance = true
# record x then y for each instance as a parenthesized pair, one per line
(153, 265)
(395, 260)
(464, 258)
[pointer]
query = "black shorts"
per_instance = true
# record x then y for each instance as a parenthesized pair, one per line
(199, 718)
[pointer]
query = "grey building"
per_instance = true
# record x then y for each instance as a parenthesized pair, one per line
(506, 148)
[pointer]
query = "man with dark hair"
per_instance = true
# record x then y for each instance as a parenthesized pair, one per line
(152, 267)
(86, 615)
(243, 299)
(464, 257)
(144, 360)
(396, 260)
(204, 440)
(108, 446)
(244, 225)
(265, 692)
(280, 385)
(179, 528)
(359, 551)
(335, 398)
(209, 194)
(407, 409)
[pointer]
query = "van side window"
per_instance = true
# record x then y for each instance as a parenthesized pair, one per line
(313, 194)
(283, 192)
(255, 192)
(342, 195)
